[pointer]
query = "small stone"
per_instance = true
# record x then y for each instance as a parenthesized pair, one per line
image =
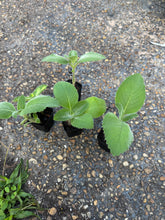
(74, 217)
(32, 160)
(147, 134)
(147, 170)
(110, 162)
(101, 214)
(85, 206)
(162, 178)
(93, 173)
(49, 191)
(64, 193)
(45, 157)
(145, 155)
(95, 202)
(52, 211)
(135, 157)
(125, 164)
(60, 157)
(64, 166)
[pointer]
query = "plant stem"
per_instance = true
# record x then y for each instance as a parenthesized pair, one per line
(4, 164)
(73, 75)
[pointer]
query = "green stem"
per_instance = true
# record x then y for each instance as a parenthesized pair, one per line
(4, 164)
(73, 75)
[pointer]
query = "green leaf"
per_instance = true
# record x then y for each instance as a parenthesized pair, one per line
(91, 57)
(38, 104)
(73, 56)
(13, 187)
(118, 134)
(23, 214)
(131, 94)
(7, 189)
(2, 215)
(21, 102)
(96, 106)
(63, 115)
(15, 114)
(6, 110)
(129, 117)
(24, 194)
(55, 59)
(66, 94)
(83, 121)
(38, 91)
(80, 108)
(15, 173)
(4, 205)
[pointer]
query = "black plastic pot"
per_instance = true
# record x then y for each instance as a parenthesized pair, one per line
(70, 130)
(101, 141)
(46, 118)
(78, 86)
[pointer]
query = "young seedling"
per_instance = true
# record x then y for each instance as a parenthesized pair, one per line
(129, 99)
(73, 60)
(15, 203)
(28, 106)
(80, 114)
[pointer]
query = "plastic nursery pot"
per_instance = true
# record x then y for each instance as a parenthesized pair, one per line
(101, 141)
(70, 130)
(46, 118)
(78, 86)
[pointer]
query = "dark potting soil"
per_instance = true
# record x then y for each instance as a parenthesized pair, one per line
(46, 118)
(102, 142)
(70, 130)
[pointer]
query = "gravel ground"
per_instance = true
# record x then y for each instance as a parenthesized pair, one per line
(72, 177)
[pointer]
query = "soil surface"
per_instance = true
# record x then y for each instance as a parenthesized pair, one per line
(73, 178)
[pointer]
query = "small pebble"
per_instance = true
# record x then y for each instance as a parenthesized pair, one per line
(125, 164)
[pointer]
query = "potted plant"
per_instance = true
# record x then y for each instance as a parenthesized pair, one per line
(75, 114)
(73, 60)
(116, 135)
(36, 109)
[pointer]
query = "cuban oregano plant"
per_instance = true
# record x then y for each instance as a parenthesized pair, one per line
(129, 99)
(15, 203)
(73, 60)
(28, 106)
(80, 114)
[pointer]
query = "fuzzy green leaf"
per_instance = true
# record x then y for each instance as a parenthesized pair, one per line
(96, 107)
(23, 214)
(83, 121)
(63, 115)
(21, 102)
(38, 104)
(118, 134)
(129, 117)
(55, 59)
(73, 56)
(6, 110)
(91, 57)
(80, 108)
(66, 94)
(131, 94)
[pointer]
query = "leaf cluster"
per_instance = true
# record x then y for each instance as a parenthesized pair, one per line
(129, 99)
(73, 60)
(28, 106)
(80, 114)
(15, 203)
